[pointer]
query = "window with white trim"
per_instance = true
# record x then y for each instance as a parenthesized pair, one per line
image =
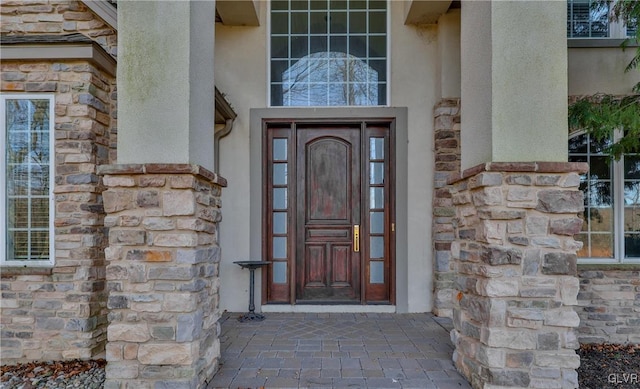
(26, 182)
(328, 53)
(591, 19)
(611, 218)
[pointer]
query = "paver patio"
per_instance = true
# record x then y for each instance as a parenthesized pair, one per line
(335, 350)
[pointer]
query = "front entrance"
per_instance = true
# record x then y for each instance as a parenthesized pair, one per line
(329, 212)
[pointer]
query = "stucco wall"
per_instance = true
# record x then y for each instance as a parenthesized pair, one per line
(242, 76)
(600, 70)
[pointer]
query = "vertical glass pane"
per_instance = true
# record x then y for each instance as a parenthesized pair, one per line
(599, 194)
(377, 197)
(376, 146)
(40, 213)
(279, 198)
(632, 194)
(279, 222)
(39, 245)
(602, 245)
(279, 247)
(279, 174)
(299, 23)
(357, 22)
(280, 149)
(280, 272)
(376, 275)
(377, 247)
(377, 222)
(18, 213)
(600, 168)
(279, 47)
(632, 167)
(632, 245)
(279, 23)
(376, 175)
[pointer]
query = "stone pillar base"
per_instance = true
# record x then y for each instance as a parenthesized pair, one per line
(162, 275)
(515, 263)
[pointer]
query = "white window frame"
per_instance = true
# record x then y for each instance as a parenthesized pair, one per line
(3, 177)
(617, 30)
(388, 59)
(617, 186)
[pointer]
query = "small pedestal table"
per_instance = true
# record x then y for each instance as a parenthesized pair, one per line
(252, 266)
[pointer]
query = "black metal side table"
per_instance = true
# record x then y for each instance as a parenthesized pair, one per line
(252, 266)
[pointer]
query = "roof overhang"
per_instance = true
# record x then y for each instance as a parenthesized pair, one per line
(425, 11)
(56, 48)
(105, 11)
(238, 12)
(224, 111)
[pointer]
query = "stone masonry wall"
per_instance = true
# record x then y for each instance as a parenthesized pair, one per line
(447, 162)
(162, 273)
(515, 261)
(609, 304)
(55, 17)
(60, 312)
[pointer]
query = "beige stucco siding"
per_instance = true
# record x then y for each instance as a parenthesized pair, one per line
(600, 70)
(242, 76)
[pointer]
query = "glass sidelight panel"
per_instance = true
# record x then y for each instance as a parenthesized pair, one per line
(278, 181)
(279, 222)
(280, 198)
(376, 275)
(280, 272)
(376, 202)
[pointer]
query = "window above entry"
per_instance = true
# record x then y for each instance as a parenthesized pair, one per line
(328, 53)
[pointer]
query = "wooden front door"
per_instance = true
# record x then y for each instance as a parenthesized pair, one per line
(329, 212)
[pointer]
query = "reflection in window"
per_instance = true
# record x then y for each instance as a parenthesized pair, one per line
(328, 53)
(611, 227)
(26, 165)
(325, 79)
(587, 19)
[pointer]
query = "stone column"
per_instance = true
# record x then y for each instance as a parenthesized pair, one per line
(162, 203)
(162, 275)
(515, 261)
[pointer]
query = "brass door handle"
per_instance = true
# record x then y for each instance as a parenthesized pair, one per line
(356, 238)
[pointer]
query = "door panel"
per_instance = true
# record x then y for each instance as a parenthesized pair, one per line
(328, 182)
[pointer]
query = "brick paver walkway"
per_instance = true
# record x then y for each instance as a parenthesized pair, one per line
(335, 350)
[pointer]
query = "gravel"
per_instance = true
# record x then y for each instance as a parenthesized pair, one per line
(601, 366)
(609, 366)
(54, 375)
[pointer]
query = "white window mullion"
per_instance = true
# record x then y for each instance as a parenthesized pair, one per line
(618, 204)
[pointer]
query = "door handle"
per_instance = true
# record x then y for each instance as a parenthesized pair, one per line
(356, 238)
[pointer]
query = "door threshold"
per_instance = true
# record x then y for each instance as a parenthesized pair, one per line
(305, 308)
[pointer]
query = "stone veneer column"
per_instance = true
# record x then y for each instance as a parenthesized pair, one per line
(515, 262)
(162, 275)
(447, 162)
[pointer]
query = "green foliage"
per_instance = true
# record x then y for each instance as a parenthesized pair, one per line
(601, 115)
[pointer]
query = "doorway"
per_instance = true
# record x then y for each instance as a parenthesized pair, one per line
(329, 211)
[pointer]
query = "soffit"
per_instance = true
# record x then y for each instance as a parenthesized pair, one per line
(238, 12)
(57, 48)
(425, 11)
